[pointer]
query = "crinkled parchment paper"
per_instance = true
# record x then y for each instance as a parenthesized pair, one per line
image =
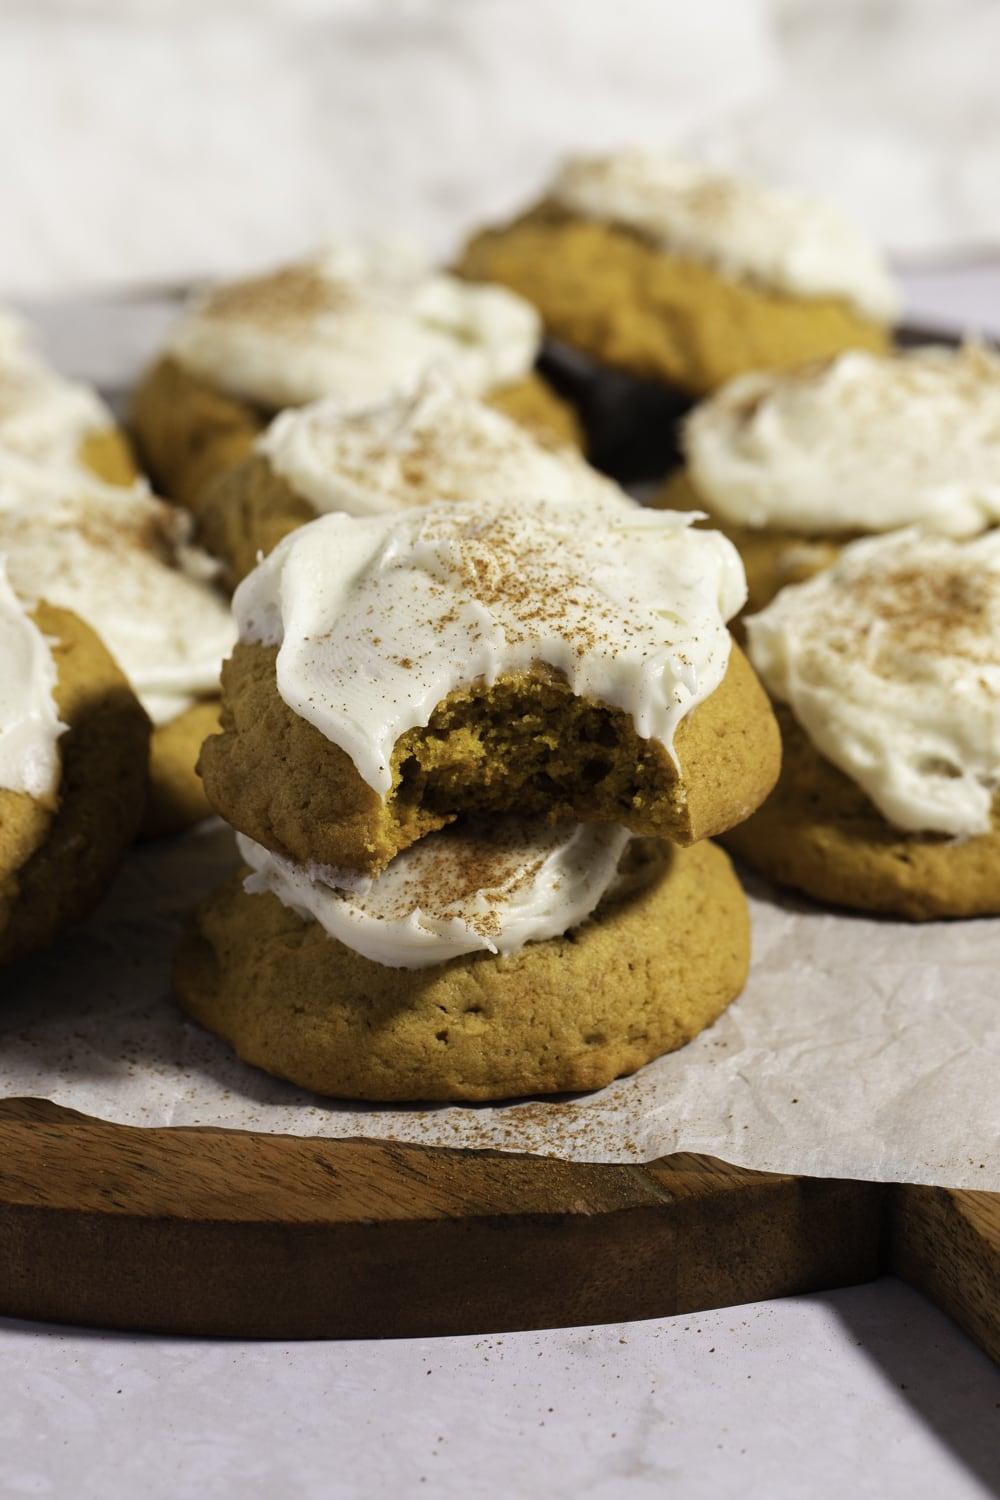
(860, 1048)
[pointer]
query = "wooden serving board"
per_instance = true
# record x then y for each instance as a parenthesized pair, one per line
(200, 1231)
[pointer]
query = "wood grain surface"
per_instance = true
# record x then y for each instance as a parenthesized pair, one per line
(202, 1231)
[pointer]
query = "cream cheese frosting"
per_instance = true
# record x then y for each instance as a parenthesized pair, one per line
(458, 891)
(29, 720)
(121, 560)
(435, 442)
(783, 240)
(43, 416)
(355, 323)
(377, 619)
(860, 443)
(890, 662)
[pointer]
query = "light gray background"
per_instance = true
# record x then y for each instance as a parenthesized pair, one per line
(149, 139)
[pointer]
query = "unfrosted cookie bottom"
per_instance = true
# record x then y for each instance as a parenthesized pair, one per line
(176, 796)
(642, 977)
(189, 434)
(819, 833)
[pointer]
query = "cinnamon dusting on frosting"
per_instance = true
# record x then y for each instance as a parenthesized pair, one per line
(435, 442)
(289, 294)
(468, 874)
(122, 561)
(860, 443)
(781, 240)
(362, 323)
(890, 661)
(490, 887)
(628, 605)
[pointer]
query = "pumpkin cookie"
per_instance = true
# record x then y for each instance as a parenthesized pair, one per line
(660, 957)
(567, 662)
(52, 420)
(361, 326)
(122, 561)
(433, 443)
(772, 559)
(793, 465)
(670, 270)
(888, 671)
(176, 796)
(73, 753)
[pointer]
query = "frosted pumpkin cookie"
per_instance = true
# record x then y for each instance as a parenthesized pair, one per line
(793, 464)
(47, 418)
(121, 560)
(434, 442)
(361, 325)
(73, 743)
(479, 965)
(394, 671)
(668, 269)
(887, 667)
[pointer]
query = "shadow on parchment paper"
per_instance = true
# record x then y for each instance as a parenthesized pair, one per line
(951, 1386)
(94, 1012)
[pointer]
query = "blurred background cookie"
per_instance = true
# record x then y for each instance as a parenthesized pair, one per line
(359, 323)
(122, 561)
(792, 465)
(670, 271)
(52, 420)
(435, 442)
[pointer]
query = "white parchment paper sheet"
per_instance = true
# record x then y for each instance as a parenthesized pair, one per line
(860, 1048)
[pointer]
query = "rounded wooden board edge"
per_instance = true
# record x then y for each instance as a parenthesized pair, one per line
(209, 1231)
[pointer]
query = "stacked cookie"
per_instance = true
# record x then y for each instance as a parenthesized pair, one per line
(474, 753)
(357, 324)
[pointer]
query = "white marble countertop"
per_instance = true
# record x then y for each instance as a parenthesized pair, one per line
(868, 1392)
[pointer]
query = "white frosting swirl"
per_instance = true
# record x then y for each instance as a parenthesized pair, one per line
(782, 240)
(457, 891)
(119, 559)
(359, 324)
(890, 661)
(43, 416)
(29, 721)
(378, 619)
(435, 442)
(862, 443)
